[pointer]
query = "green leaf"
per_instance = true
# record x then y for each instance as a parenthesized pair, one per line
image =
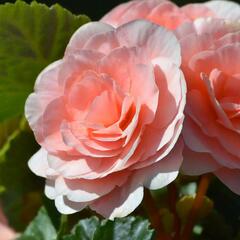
(31, 36)
(21, 197)
(130, 228)
(40, 228)
(63, 226)
(9, 130)
(84, 230)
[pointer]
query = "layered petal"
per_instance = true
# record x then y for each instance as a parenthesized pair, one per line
(111, 118)
(211, 68)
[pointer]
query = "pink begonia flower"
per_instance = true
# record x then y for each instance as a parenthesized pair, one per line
(211, 64)
(107, 116)
(169, 15)
(6, 233)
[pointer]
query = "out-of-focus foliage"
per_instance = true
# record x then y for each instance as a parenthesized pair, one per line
(31, 37)
(40, 228)
(185, 203)
(129, 228)
(21, 195)
(84, 229)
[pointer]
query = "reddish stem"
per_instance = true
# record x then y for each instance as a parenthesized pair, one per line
(197, 204)
(155, 219)
(173, 197)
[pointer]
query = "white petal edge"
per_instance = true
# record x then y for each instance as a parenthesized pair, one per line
(84, 33)
(38, 163)
(153, 39)
(225, 9)
(65, 206)
(163, 172)
(121, 202)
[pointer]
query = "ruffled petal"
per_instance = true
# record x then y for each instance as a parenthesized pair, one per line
(195, 163)
(38, 163)
(224, 9)
(120, 202)
(154, 41)
(230, 177)
(83, 34)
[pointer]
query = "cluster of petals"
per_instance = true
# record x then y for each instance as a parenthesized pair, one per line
(167, 14)
(107, 116)
(211, 65)
(209, 35)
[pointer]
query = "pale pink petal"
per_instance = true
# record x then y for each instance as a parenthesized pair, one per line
(48, 131)
(79, 168)
(84, 90)
(225, 59)
(224, 9)
(103, 42)
(83, 149)
(114, 67)
(154, 153)
(155, 41)
(83, 34)
(219, 110)
(160, 174)
(164, 131)
(137, 9)
(215, 27)
(172, 92)
(114, 16)
(98, 111)
(38, 163)
(144, 89)
(120, 202)
(168, 15)
(49, 189)
(228, 39)
(77, 64)
(6, 233)
(104, 146)
(3, 218)
(197, 141)
(46, 90)
(195, 163)
(230, 177)
(83, 190)
(134, 123)
(118, 115)
(197, 10)
(199, 108)
(66, 206)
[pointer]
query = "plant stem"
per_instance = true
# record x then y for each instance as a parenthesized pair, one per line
(155, 219)
(63, 226)
(173, 197)
(197, 204)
